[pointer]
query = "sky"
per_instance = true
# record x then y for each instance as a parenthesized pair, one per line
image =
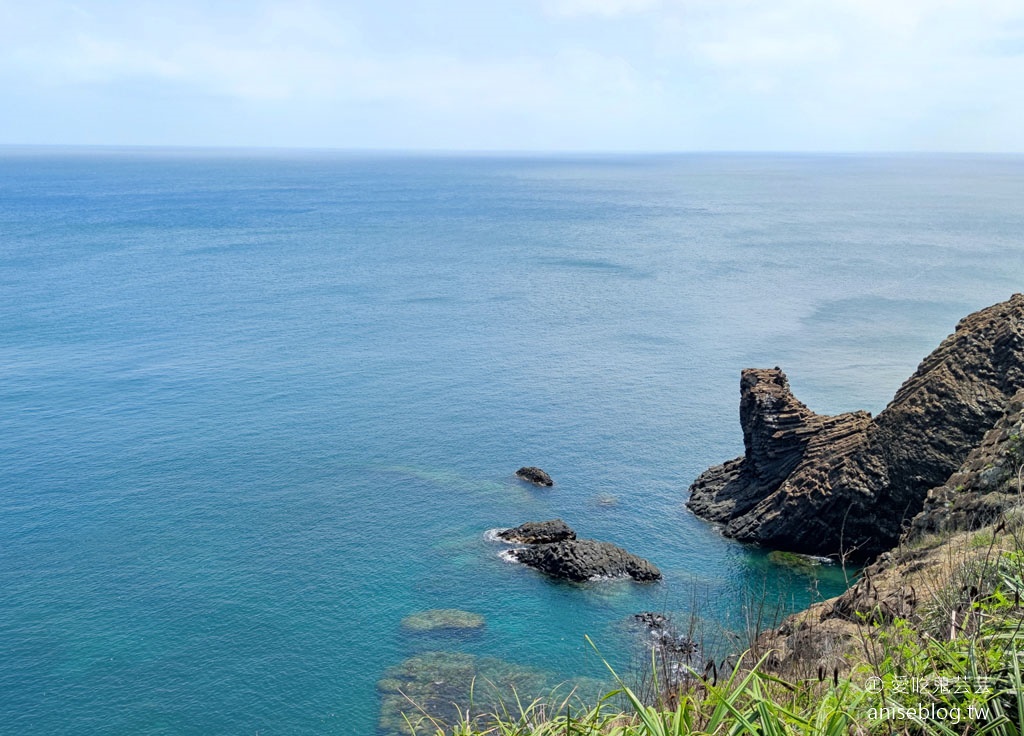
(517, 75)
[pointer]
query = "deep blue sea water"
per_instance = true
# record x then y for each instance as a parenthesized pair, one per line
(257, 407)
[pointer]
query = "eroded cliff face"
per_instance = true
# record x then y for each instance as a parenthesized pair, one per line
(790, 453)
(965, 522)
(988, 484)
(849, 483)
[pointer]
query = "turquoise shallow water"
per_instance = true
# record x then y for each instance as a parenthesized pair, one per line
(259, 407)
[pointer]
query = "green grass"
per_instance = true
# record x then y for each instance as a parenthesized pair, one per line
(754, 702)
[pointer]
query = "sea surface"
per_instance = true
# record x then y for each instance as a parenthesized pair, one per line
(257, 407)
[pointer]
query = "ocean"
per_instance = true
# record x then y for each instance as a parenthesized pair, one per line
(257, 407)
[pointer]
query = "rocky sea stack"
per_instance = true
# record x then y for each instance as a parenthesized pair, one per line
(578, 560)
(850, 483)
(552, 548)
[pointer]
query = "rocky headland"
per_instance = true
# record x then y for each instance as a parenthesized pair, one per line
(852, 484)
(930, 577)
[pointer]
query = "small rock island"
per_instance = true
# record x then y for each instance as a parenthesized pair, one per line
(553, 548)
(578, 560)
(534, 475)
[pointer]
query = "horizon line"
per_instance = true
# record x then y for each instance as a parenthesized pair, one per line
(497, 152)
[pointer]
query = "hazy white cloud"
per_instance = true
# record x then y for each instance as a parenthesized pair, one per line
(604, 8)
(275, 51)
(285, 51)
(741, 50)
(666, 74)
(915, 74)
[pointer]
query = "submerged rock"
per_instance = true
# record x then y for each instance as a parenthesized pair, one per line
(796, 562)
(667, 641)
(534, 475)
(652, 621)
(539, 532)
(438, 684)
(441, 619)
(850, 483)
(577, 560)
(676, 656)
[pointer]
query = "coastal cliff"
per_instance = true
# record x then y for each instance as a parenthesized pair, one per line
(936, 576)
(851, 484)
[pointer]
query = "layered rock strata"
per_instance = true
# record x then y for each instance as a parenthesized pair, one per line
(849, 483)
(989, 483)
(965, 522)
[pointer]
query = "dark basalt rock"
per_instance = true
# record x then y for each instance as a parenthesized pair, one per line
(850, 483)
(652, 621)
(678, 656)
(665, 639)
(779, 432)
(534, 475)
(577, 560)
(539, 532)
(986, 486)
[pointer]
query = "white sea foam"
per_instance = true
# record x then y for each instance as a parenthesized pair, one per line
(491, 535)
(608, 578)
(822, 560)
(507, 556)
